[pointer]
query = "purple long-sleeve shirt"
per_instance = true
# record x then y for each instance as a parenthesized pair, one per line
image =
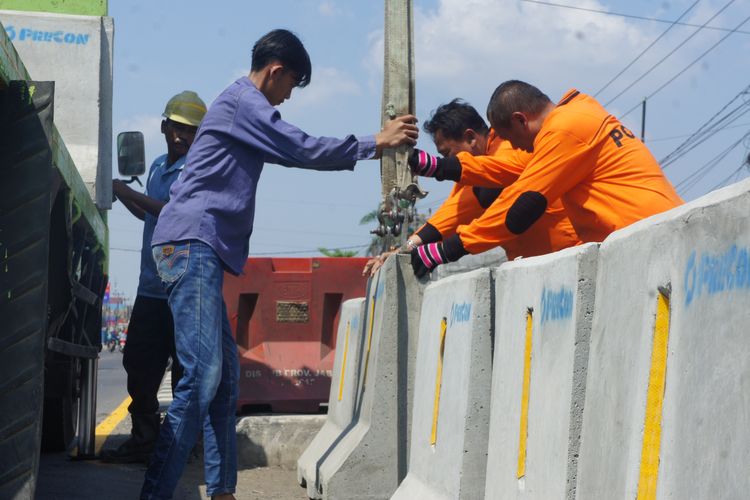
(214, 199)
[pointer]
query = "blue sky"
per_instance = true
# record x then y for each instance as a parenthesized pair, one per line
(464, 48)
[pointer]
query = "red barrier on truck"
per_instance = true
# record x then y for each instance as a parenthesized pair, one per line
(284, 315)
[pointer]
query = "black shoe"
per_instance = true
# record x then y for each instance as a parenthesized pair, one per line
(128, 452)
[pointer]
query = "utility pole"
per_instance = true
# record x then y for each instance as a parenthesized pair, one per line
(643, 121)
(399, 187)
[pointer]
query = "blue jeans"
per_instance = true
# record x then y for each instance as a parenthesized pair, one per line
(206, 397)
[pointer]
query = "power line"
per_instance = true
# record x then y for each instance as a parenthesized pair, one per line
(693, 179)
(686, 68)
(646, 49)
(630, 16)
(682, 136)
(713, 125)
(315, 250)
(734, 174)
(658, 63)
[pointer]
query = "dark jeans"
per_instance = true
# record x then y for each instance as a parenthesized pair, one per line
(150, 344)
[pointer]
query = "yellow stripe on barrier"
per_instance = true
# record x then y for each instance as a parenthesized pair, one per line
(369, 339)
(343, 362)
(649, 472)
(524, 426)
(105, 428)
(438, 381)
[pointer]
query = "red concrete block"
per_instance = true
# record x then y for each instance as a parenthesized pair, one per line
(284, 315)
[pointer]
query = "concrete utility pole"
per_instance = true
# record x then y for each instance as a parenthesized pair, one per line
(399, 187)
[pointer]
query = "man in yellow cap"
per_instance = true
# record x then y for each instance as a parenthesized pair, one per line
(150, 341)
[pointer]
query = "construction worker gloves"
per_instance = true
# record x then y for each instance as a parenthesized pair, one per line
(425, 258)
(424, 164)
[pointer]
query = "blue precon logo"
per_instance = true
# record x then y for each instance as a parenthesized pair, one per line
(710, 274)
(460, 313)
(557, 305)
(41, 36)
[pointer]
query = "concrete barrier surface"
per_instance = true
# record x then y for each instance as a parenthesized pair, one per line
(343, 391)
(543, 320)
(667, 407)
(448, 452)
(370, 458)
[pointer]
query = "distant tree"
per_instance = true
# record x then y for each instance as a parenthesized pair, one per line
(336, 252)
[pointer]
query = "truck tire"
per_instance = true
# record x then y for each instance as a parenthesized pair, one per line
(61, 411)
(25, 169)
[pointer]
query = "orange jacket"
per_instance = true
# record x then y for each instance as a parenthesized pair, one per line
(605, 176)
(500, 167)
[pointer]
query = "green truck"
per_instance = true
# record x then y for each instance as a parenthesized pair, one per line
(55, 189)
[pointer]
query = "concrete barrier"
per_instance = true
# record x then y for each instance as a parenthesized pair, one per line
(342, 394)
(275, 440)
(370, 458)
(543, 320)
(470, 262)
(75, 52)
(667, 407)
(448, 451)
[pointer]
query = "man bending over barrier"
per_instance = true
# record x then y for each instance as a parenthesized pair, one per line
(580, 154)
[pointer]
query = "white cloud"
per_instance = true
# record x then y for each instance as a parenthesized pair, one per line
(327, 86)
(467, 47)
(328, 9)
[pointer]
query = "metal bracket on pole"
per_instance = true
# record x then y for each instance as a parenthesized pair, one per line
(400, 189)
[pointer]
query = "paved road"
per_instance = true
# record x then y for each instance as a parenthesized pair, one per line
(63, 479)
(111, 389)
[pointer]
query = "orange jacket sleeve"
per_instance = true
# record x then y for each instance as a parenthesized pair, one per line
(463, 205)
(559, 163)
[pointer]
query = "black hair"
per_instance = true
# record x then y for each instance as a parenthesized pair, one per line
(512, 96)
(283, 46)
(453, 119)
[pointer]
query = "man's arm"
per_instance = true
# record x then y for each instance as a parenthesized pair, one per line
(285, 144)
(138, 203)
(463, 205)
(497, 170)
(560, 162)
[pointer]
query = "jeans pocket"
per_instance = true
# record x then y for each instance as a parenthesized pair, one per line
(171, 261)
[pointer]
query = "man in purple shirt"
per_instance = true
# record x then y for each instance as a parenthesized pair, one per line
(204, 230)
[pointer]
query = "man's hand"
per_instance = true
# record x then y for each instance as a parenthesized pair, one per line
(120, 189)
(376, 263)
(427, 257)
(401, 130)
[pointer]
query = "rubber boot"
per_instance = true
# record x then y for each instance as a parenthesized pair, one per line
(139, 445)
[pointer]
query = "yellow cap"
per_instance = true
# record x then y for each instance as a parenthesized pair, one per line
(186, 107)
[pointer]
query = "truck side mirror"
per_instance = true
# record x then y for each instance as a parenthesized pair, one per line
(131, 157)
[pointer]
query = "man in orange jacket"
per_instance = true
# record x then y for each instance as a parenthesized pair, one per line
(580, 154)
(461, 135)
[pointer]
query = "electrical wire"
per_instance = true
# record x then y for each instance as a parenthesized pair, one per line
(682, 136)
(315, 250)
(647, 48)
(710, 127)
(629, 16)
(686, 67)
(693, 179)
(660, 61)
(733, 177)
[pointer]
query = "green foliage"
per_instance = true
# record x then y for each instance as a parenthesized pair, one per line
(337, 252)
